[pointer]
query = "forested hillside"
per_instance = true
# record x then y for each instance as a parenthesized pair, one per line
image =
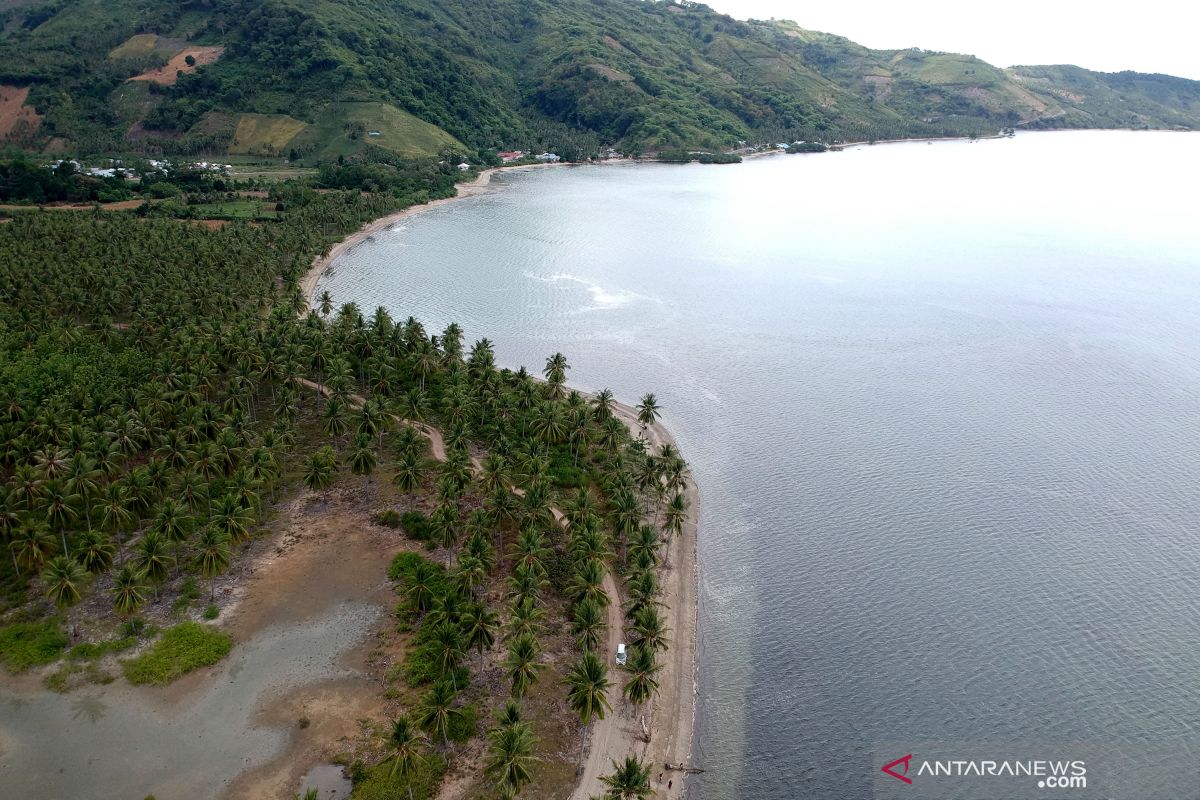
(313, 79)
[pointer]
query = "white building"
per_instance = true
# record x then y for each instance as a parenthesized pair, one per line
(548, 157)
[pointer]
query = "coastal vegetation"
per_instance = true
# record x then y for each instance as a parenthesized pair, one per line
(166, 385)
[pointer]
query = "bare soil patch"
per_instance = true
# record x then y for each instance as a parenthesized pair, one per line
(168, 74)
(15, 116)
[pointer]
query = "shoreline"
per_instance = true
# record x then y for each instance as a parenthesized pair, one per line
(481, 184)
(673, 709)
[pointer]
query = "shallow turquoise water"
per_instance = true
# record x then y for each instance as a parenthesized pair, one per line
(943, 406)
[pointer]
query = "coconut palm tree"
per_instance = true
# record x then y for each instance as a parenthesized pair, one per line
(447, 642)
(526, 619)
(129, 590)
(522, 663)
(95, 551)
(648, 629)
(60, 507)
(470, 573)
(212, 556)
(643, 667)
(602, 405)
(630, 780)
(361, 458)
(31, 544)
(63, 577)
(645, 542)
(556, 373)
(510, 757)
(320, 469)
(437, 711)
(192, 489)
(588, 583)
(409, 472)
(648, 410)
(526, 583)
(325, 303)
(231, 518)
(82, 480)
(588, 624)
(151, 558)
(405, 741)
(676, 514)
(530, 550)
(444, 520)
(420, 586)
(587, 694)
(172, 522)
(479, 625)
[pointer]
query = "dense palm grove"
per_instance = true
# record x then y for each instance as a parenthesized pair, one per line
(162, 386)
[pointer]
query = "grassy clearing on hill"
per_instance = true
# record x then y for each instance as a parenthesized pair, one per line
(145, 44)
(345, 128)
(264, 134)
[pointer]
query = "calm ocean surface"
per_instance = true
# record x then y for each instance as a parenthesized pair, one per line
(943, 406)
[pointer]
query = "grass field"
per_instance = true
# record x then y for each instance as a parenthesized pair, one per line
(344, 128)
(264, 134)
(948, 69)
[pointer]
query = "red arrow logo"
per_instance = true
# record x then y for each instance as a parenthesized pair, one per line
(900, 776)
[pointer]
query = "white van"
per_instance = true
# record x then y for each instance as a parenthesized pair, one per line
(621, 654)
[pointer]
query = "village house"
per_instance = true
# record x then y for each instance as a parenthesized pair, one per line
(509, 156)
(548, 157)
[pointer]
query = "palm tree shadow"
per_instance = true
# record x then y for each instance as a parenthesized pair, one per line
(91, 708)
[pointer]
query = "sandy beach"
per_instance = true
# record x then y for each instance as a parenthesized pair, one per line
(671, 717)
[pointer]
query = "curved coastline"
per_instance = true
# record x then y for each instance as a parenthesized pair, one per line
(672, 719)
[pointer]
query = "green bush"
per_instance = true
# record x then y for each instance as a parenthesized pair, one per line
(211, 612)
(377, 783)
(183, 648)
(28, 644)
(57, 681)
(567, 477)
(134, 627)
(416, 526)
(464, 726)
(403, 564)
(389, 518)
(89, 651)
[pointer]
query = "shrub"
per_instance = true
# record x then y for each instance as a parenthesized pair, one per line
(403, 564)
(134, 627)
(89, 651)
(28, 644)
(377, 783)
(389, 518)
(464, 726)
(211, 612)
(183, 648)
(416, 526)
(188, 589)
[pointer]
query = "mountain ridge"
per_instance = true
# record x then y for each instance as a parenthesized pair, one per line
(317, 79)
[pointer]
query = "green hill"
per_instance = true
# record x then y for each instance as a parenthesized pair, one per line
(310, 78)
